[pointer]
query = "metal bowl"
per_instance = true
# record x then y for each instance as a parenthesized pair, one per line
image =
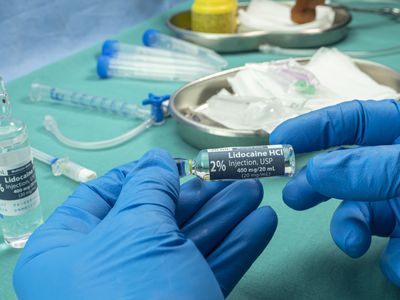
(180, 23)
(212, 135)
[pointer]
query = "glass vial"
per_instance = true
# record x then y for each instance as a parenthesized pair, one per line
(20, 212)
(237, 163)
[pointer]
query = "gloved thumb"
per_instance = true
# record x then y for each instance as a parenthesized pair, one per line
(360, 174)
(149, 193)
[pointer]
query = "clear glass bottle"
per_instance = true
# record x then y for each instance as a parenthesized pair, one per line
(237, 163)
(20, 212)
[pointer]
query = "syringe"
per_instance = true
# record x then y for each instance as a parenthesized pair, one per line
(42, 92)
(154, 38)
(63, 166)
(155, 117)
(236, 163)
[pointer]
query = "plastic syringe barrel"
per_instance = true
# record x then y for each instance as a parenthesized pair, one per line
(117, 67)
(156, 39)
(42, 92)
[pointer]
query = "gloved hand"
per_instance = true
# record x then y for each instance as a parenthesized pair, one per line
(133, 234)
(367, 178)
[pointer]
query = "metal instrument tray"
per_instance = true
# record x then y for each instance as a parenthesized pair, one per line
(180, 23)
(211, 135)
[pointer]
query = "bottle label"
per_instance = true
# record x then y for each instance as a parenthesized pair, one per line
(246, 162)
(18, 186)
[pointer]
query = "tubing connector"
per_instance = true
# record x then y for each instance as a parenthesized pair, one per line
(157, 110)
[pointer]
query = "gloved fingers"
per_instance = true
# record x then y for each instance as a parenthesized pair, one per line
(216, 218)
(234, 256)
(353, 224)
(390, 261)
(81, 212)
(194, 194)
(94, 199)
(348, 123)
(360, 174)
(299, 194)
(149, 195)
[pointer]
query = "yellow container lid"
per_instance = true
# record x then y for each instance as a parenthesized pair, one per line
(214, 6)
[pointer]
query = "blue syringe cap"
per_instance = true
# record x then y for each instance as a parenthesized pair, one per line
(156, 102)
(102, 66)
(109, 47)
(148, 36)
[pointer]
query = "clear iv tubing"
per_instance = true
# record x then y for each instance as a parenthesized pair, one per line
(268, 49)
(42, 92)
(52, 126)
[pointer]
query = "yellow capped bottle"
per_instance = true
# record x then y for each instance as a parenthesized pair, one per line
(214, 16)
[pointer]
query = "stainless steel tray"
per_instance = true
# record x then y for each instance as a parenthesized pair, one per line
(212, 135)
(180, 23)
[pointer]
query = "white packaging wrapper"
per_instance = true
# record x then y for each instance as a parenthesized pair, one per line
(262, 101)
(273, 16)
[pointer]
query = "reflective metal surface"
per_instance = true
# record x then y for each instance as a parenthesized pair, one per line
(180, 23)
(210, 135)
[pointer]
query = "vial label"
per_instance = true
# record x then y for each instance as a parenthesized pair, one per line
(18, 186)
(246, 162)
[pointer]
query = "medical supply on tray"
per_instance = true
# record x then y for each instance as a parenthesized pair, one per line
(272, 16)
(20, 212)
(266, 94)
(156, 116)
(155, 39)
(303, 11)
(64, 166)
(240, 163)
(214, 16)
(127, 68)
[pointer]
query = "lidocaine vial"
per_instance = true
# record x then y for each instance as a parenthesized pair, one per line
(235, 163)
(20, 212)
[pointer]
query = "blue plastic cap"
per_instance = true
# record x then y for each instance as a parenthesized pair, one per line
(156, 102)
(102, 66)
(148, 36)
(109, 47)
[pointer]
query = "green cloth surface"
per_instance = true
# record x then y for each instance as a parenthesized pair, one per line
(301, 262)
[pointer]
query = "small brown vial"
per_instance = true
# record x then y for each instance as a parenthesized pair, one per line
(304, 10)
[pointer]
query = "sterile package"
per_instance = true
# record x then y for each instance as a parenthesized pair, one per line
(241, 112)
(342, 80)
(266, 94)
(274, 16)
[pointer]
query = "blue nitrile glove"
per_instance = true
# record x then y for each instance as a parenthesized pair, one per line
(366, 177)
(133, 234)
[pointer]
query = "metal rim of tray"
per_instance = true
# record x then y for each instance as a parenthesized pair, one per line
(226, 132)
(238, 41)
